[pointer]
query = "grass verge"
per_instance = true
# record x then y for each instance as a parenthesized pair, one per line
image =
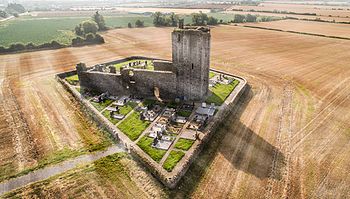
(145, 144)
(108, 174)
(173, 158)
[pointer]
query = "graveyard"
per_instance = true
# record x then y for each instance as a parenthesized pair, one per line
(163, 130)
(163, 112)
(164, 134)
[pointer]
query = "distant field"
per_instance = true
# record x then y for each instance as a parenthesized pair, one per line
(328, 29)
(304, 17)
(39, 29)
(318, 10)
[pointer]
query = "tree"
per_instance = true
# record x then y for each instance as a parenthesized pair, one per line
(13, 8)
(199, 19)
(77, 41)
(158, 19)
(89, 27)
(250, 18)
(90, 37)
(16, 47)
(238, 18)
(100, 21)
(79, 30)
(129, 25)
(99, 39)
(212, 21)
(173, 19)
(139, 24)
(3, 14)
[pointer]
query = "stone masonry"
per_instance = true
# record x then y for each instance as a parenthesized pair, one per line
(186, 77)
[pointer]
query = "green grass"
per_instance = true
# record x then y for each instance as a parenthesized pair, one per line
(172, 105)
(102, 105)
(37, 31)
(127, 108)
(148, 102)
(148, 67)
(145, 143)
(41, 30)
(211, 74)
(220, 92)
(184, 113)
(123, 110)
(173, 158)
(73, 80)
(133, 126)
(184, 144)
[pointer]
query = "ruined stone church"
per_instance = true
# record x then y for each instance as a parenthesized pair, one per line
(185, 77)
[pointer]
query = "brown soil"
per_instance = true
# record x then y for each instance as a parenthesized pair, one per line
(317, 9)
(289, 139)
(339, 30)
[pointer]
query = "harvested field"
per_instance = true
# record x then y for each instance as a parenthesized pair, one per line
(165, 10)
(327, 29)
(288, 138)
(297, 8)
(302, 17)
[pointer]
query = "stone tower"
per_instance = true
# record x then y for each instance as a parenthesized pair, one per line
(191, 57)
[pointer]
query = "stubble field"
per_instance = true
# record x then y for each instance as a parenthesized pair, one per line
(288, 138)
(320, 10)
(328, 29)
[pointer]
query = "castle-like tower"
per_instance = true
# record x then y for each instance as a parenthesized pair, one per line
(191, 60)
(186, 77)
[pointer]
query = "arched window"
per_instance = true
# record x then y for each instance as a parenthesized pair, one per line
(178, 38)
(192, 66)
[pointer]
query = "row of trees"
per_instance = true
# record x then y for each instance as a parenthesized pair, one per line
(30, 46)
(160, 19)
(138, 24)
(202, 19)
(238, 18)
(86, 34)
(198, 19)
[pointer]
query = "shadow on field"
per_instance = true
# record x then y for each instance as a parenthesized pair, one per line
(259, 154)
(259, 165)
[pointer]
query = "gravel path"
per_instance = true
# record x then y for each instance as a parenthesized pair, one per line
(49, 171)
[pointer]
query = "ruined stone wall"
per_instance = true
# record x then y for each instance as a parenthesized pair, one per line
(103, 82)
(191, 54)
(163, 65)
(146, 81)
